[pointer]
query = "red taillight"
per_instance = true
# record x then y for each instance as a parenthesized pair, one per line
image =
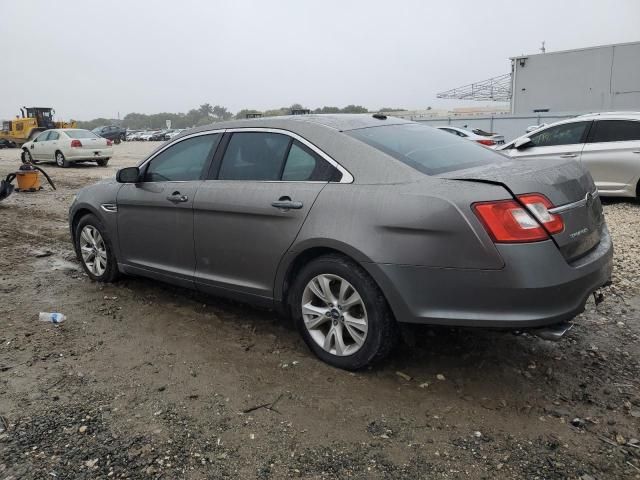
(109, 142)
(488, 142)
(508, 221)
(76, 143)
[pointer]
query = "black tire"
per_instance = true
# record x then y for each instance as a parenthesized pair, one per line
(60, 160)
(102, 162)
(26, 157)
(111, 272)
(382, 329)
(117, 140)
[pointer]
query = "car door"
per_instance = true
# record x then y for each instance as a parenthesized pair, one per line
(155, 215)
(612, 155)
(51, 145)
(251, 209)
(38, 146)
(556, 142)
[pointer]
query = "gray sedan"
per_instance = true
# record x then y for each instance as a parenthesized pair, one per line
(352, 224)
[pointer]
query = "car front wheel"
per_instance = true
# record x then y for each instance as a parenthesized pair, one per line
(94, 250)
(342, 314)
(25, 156)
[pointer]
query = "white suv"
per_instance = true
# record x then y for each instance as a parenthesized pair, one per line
(607, 144)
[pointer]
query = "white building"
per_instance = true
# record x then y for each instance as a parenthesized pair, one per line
(584, 80)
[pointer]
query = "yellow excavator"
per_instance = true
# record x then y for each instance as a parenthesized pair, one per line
(30, 122)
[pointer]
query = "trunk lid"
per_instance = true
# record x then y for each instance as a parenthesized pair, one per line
(565, 183)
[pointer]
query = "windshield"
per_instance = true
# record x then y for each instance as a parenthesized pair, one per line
(80, 134)
(428, 150)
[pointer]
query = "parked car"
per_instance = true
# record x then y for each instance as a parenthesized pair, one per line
(533, 128)
(65, 146)
(4, 143)
(112, 132)
(484, 138)
(131, 136)
(607, 144)
(159, 136)
(173, 134)
(351, 224)
(146, 136)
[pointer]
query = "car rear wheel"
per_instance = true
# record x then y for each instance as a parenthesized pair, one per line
(94, 250)
(117, 140)
(342, 314)
(26, 157)
(102, 162)
(60, 160)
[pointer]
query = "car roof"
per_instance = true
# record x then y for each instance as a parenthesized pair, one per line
(340, 122)
(371, 166)
(611, 115)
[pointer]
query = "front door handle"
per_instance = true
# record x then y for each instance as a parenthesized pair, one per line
(177, 197)
(285, 203)
(569, 155)
(636, 151)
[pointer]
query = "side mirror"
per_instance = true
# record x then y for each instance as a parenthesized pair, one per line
(523, 142)
(128, 175)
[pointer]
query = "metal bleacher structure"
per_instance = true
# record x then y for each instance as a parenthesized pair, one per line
(497, 89)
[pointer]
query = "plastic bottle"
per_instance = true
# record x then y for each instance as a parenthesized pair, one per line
(52, 317)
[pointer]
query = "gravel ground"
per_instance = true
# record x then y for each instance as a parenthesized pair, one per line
(146, 380)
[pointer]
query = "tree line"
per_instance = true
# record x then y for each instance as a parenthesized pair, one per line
(206, 114)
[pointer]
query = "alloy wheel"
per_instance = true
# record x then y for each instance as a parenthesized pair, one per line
(94, 250)
(334, 314)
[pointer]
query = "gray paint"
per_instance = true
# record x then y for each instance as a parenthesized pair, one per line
(416, 235)
(585, 80)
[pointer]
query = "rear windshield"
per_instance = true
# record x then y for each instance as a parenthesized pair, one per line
(80, 134)
(428, 150)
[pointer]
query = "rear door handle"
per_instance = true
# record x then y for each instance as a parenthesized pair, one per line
(636, 151)
(177, 197)
(285, 203)
(569, 155)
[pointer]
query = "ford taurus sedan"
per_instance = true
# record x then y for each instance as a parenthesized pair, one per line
(352, 224)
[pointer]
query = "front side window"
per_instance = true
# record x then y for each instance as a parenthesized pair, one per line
(254, 156)
(615, 131)
(183, 161)
(565, 134)
(426, 149)
(42, 137)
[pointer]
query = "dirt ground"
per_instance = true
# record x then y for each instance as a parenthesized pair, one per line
(146, 380)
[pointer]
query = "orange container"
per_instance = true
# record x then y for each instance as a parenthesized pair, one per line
(28, 180)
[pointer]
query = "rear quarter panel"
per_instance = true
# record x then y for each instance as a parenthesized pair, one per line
(427, 223)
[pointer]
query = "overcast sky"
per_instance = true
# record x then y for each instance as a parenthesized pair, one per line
(88, 59)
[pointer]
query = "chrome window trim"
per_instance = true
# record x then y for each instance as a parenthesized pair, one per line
(178, 140)
(580, 203)
(346, 175)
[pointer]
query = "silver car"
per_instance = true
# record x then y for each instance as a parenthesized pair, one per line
(352, 224)
(607, 144)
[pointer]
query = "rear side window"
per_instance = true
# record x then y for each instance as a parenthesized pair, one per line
(426, 149)
(254, 156)
(614, 131)
(565, 134)
(182, 161)
(53, 136)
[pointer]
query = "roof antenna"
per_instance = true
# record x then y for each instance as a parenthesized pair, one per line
(542, 49)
